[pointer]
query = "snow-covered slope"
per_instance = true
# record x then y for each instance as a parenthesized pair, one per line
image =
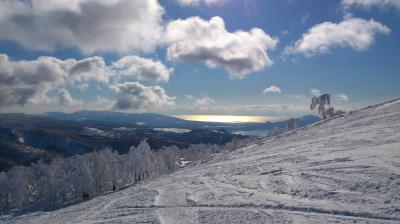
(344, 170)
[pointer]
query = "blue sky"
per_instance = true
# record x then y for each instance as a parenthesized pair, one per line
(347, 48)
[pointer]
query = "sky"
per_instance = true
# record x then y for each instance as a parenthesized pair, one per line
(195, 57)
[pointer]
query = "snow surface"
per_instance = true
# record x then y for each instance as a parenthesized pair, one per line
(344, 170)
(173, 130)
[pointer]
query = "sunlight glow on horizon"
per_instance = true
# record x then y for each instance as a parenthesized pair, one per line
(228, 118)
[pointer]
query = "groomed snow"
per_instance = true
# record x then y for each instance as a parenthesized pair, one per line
(344, 170)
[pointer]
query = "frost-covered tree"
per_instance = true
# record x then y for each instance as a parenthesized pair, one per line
(45, 185)
(323, 103)
(169, 156)
(109, 159)
(18, 186)
(292, 124)
(277, 130)
(4, 193)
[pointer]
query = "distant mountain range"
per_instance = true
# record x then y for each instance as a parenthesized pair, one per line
(27, 138)
(153, 120)
(150, 120)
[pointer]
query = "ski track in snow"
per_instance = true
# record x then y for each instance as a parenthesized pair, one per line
(344, 170)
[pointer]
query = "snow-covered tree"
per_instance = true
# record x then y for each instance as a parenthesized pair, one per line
(18, 186)
(109, 159)
(292, 124)
(49, 184)
(324, 105)
(4, 193)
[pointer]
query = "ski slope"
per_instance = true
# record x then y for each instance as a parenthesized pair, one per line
(344, 170)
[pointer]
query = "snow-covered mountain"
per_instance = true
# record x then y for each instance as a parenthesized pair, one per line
(343, 170)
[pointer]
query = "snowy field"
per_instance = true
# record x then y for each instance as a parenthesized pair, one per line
(344, 170)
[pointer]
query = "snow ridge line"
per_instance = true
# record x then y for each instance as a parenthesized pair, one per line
(363, 215)
(363, 109)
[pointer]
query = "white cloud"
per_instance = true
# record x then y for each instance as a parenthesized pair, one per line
(198, 40)
(98, 103)
(135, 96)
(342, 97)
(31, 81)
(64, 97)
(189, 97)
(89, 25)
(339, 97)
(88, 69)
(205, 101)
(142, 68)
(285, 33)
(199, 102)
(82, 86)
(273, 108)
(298, 97)
(272, 89)
(367, 4)
(44, 80)
(197, 2)
(355, 33)
(315, 92)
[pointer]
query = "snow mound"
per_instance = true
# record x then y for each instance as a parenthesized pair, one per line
(343, 170)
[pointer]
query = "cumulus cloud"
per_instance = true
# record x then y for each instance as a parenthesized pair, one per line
(342, 97)
(142, 68)
(30, 81)
(197, 2)
(135, 96)
(198, 40)
(64, 98)
(23, 81)
(205, 101)
(97, 103)
(272, 89)
(315, 92)
(367, 4)
(89, 25)
(88, 69)
(355, 33)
